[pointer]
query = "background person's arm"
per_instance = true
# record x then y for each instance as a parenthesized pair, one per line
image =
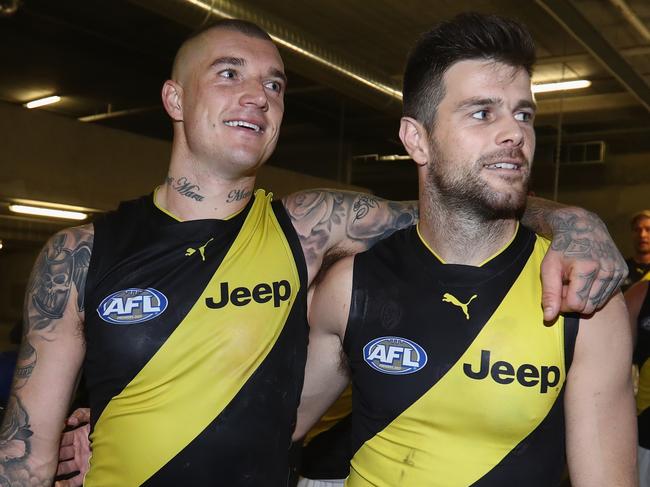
(49, 360)
(599, 402)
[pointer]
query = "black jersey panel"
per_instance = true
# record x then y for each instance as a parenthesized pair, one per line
(140, 247)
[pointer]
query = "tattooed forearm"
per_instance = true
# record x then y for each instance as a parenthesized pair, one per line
(25, 364)
(15, 448)
(587, 251)
(344, 222)
(62, 265)
(185, 188)
(238, 195)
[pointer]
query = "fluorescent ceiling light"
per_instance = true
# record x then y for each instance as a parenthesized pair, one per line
(561, 86)
(43, 101)
(48, 212)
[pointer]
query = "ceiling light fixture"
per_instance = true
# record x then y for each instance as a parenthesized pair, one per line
(48, 212)
(41, 102)
(561, 86)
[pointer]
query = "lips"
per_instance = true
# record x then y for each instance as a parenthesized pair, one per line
(255, 127)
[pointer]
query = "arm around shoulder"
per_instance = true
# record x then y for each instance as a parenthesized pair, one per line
(599, 401)
(49, 360)
(583, 268)
(337, 223)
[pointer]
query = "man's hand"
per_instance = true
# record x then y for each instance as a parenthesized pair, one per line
(583, 267)
(74, 450)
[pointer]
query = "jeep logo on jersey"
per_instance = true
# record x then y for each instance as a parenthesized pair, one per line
(394, 355)
(262, 293)
(132, 305)
(502, 372)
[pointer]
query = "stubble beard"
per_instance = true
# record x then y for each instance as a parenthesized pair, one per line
(465, 194)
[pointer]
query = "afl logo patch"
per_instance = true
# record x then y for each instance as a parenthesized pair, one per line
(132, 305)
(394, 355)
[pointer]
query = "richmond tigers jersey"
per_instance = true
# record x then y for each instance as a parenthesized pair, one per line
(196, 345)
(457, 380)
(642, 360)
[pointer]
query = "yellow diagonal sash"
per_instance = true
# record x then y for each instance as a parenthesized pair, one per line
(461, 428)
(202, 365)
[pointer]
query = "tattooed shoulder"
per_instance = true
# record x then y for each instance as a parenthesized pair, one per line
(344, 222)
(61, 266)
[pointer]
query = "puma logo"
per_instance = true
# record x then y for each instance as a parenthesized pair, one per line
(201, 249)
(450, 298)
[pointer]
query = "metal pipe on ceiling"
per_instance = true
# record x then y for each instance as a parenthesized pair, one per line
(632, 18)
(568, 16)
(299, 46)
(287, 38)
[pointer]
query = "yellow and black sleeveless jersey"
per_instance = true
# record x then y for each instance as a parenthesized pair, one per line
(642, 360)
(457, 380)
(196, 344)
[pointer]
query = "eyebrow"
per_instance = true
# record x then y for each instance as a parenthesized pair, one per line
(238, 61)
(481, 102)
(234, 61)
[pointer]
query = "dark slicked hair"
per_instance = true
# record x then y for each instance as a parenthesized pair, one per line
(467, 36)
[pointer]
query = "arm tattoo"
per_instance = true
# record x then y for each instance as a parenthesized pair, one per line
(15, 448)
(580, 235)
(184, 187)
(62, 263)
(345, 222)
(25, 364)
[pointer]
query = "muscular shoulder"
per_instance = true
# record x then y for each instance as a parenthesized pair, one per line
(59, 275)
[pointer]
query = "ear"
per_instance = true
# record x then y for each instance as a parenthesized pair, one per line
(172, 98)
(415, 140)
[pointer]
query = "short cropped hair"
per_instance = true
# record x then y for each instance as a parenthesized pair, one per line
(639, 215)
(466, 36)
(237, 25)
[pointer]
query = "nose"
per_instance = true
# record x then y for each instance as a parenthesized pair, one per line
(254, 95)
(510, 133)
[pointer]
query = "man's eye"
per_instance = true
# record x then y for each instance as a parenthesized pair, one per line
(228, 73)
(480, 115)
(523, 116)
(274, 86)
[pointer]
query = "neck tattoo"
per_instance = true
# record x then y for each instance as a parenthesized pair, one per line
(238, 195)
(185, 188)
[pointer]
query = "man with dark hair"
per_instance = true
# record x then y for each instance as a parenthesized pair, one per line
(187, 306)
(639, 264)
(457, 378)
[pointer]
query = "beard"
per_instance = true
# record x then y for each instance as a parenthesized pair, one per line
(464, 192)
